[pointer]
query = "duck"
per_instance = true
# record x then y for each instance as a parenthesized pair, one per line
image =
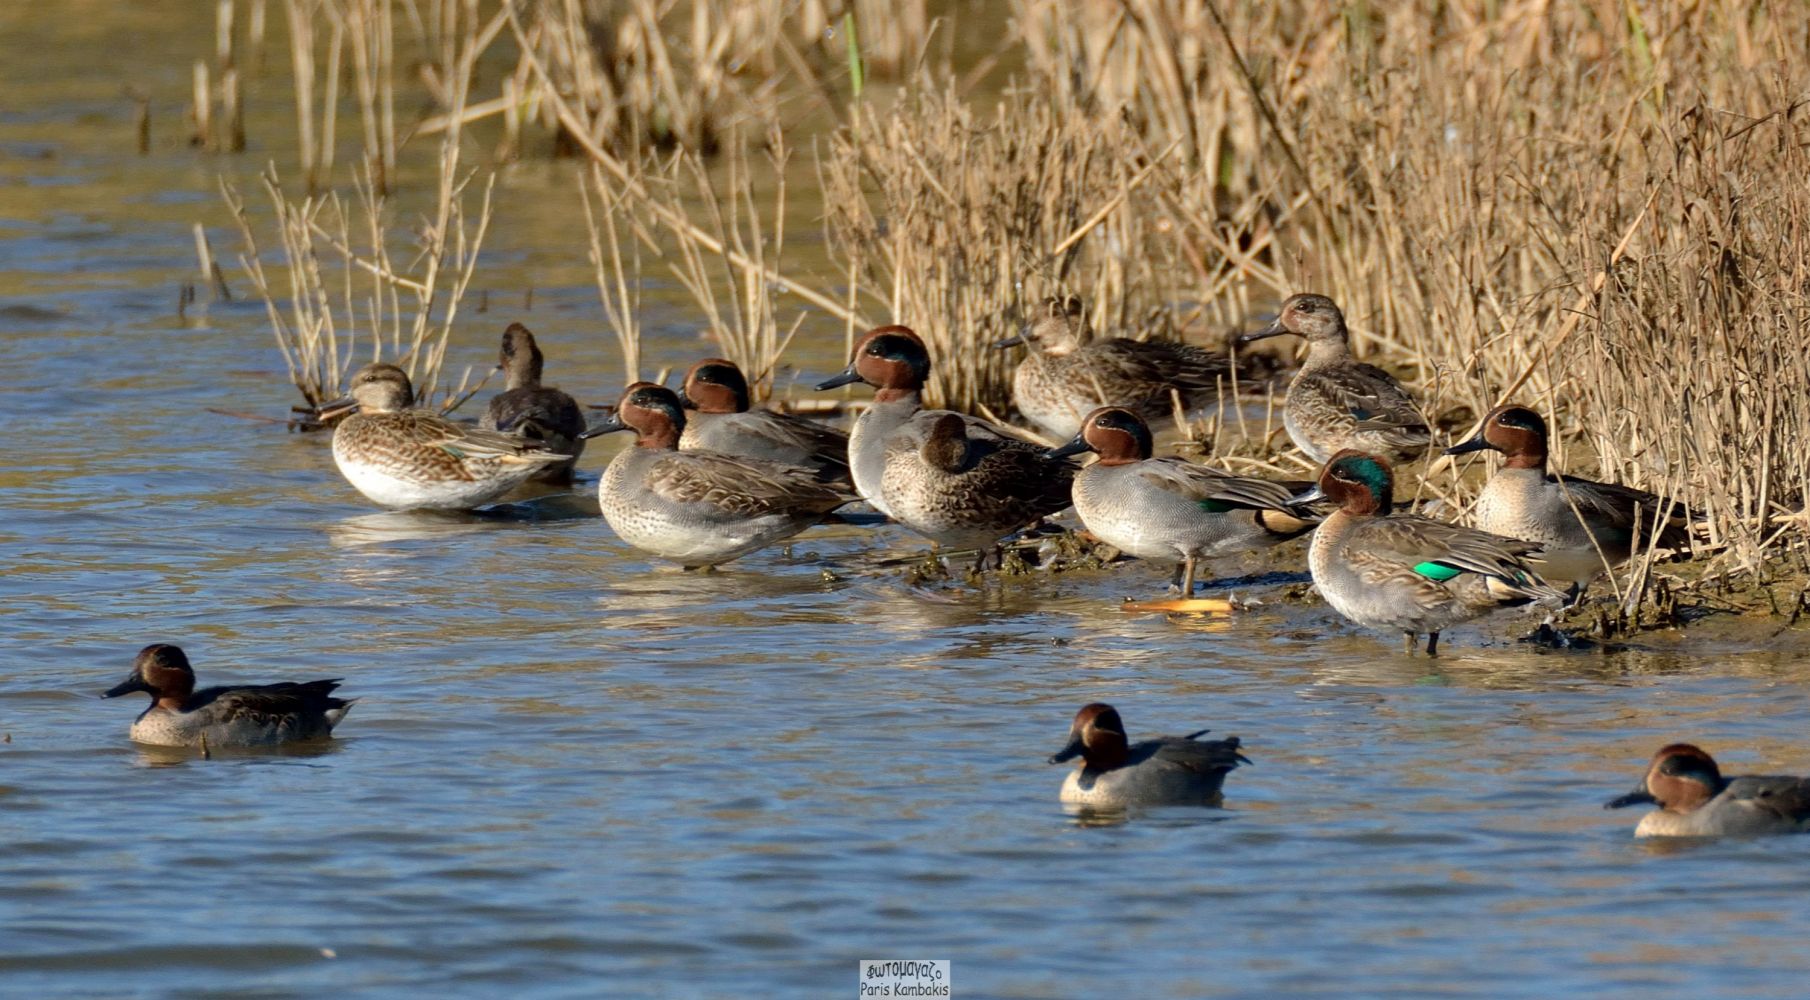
(407, 458)
(955, 479)
(537, 411)
(1413, 574)
(699, 508)
(1066, 373)
(1169, 508)
(248, 715)
(1695, 800)
(719, 417)
(1583, 527)
(1115, 773)
(1335, 402)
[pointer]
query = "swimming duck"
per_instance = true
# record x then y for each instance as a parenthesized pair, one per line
(1406, 572)
(407, 458)
(699, 508)
(244, 716)
(1570, 518)
(1116, 773)
(1336, 402)
(952, 478)
(1169, 508)
(1695, 800)
(721, 418)
(1066, 373)
(526, 407)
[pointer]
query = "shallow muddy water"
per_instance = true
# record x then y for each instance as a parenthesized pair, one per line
(574, 773)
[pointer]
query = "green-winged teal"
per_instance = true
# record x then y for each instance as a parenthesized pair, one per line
(243, 716)
(1116, 774)
(539, 412)
(1582, 527)
(1695, 800)
(1406, 572)
(720, 417)
(1168, 508)
(1336, 402)
(699, 508)
(408, 458)
(1066, 373)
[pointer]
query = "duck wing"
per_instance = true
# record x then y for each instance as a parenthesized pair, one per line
(1785, 797)
(1156, 363)
(1217, 491)
(1205, 756)
(1438, 551)
(258, 701)
(1627, 510)
(743, 487)
(822, 443)
(1371, 397)
(472, 443)
(540, 413)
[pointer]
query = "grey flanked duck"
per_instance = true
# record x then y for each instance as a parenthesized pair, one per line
(1695, 800)
(536, 411)
(1409, 573)
(408, 458)
(720, 417)
(1169, 508)
(1583, 527)
(242, 716)
(699, 508)
(1337, 402)
(1115, 773)
(1066, 373)
(955, 479)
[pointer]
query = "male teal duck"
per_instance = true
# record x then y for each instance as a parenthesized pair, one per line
(242, 716)
(1066, 373)
(1115, 773)
(720, 417)
(536, 411)
(1695, 800)
(1336, 402)
(1405, 572)
(1583, 527)
(407, 458)
(1169, 508)
(699, 508)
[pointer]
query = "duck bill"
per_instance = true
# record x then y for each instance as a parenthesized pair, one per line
(1638, 797)
(1313, 495)
(848, 377)
(127, 686)
(1075, 447)
(1476, 443)
(609, 426)
(1275, 329)
(1021, 337)
(1069, 752)
(337, 408)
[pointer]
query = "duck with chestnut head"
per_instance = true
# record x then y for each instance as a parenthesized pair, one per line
(720, 417)
(1115, 773)
(1696, 800)
(238, 716)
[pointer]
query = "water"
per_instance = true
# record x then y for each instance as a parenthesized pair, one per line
(573, 773)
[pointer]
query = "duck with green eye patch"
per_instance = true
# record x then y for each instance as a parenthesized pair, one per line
(1413, 574)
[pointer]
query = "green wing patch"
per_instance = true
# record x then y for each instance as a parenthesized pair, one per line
(1437, 572)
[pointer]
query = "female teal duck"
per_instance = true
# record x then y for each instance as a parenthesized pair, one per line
(1067, 373)
(720, 417)
(1695, 800)
(1168, 508)
(1336, 402)
(1167, 771)
(699, 508)
(407, 458)
(537, 411)
(1406, 572)
(244, 716)
(1583, 527)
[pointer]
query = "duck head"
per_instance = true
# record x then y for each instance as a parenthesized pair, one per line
(1516, 431)
(1680, 778)
(376, 388)
(715, 385)
(892, 359)
(1116, 434)
(1314, 317)
(161, 671)
(1059, 328)
(1097, 736)
(1360, 484)
(652, 411)
(520, 359)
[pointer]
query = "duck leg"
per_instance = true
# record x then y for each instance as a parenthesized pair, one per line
(1411, 644)
(1432, 643)
(1188, 576)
